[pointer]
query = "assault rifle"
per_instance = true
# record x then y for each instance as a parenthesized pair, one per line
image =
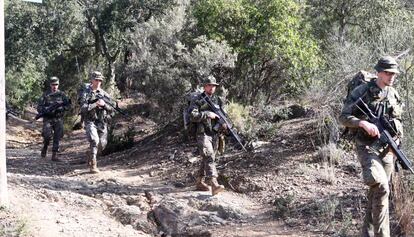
(223, 120)
(51, 109)
(385, 138)
(109, 102)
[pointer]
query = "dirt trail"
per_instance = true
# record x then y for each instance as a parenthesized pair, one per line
(140, 191)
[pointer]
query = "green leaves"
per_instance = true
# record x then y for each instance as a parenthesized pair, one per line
(276, 51)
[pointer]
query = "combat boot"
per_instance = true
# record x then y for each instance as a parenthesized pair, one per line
(201, 185)
(215, 186)
(93, 166)
(54, 157)
(44, 151)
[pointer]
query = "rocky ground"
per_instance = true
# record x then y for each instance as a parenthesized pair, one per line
(282, 187)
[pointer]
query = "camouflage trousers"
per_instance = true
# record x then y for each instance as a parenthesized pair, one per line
(52, 127)
(97, 133)
(376, 172)
(207, 146)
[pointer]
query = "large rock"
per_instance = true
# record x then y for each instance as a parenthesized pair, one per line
(134, 216)
(193, 213)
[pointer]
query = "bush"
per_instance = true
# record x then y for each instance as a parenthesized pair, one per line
(253, 122)
(119, 142)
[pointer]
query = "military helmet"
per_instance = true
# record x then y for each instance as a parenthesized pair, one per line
(97, 75)
(211, 80)
(54, 81)
(387, 64)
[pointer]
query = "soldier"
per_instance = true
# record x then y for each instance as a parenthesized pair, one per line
(377, 163)
(95, 114)
(207, 137)
(52, 119)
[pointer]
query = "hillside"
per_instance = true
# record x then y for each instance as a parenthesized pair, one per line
(284, 187)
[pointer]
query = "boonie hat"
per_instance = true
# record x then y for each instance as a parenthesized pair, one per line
(54, 81)
(211, 80)
(97, 76)
(387, 64)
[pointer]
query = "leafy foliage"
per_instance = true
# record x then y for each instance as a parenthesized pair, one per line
(164, 68)
(276, 51)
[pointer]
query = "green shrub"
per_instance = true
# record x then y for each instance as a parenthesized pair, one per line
(119, 142)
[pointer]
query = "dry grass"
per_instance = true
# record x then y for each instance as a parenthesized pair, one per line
(403, 201)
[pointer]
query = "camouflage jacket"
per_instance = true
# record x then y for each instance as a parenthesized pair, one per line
(48, 99)
(199, 113)
(89, 110)
(373, 96)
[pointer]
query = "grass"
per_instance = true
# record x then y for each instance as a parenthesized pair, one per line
(11, 225)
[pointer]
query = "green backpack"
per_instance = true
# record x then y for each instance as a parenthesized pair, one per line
(190, 128)
(361, 77)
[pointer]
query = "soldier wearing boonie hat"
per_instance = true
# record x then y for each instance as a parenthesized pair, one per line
(377, 162)
(95, 114)
(207, 138)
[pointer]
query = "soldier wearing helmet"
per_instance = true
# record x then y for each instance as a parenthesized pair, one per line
(377, 163)
(53, 118)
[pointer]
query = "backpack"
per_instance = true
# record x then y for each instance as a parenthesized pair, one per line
(361, 77)
(190, 128)
(82, 89)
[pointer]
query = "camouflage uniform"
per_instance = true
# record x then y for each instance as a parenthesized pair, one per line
(377, 163)
(95, 122)
(207, 138)
(52, 122)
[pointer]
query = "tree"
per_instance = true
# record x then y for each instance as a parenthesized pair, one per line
(35, 35)
(163, 67)
(276, 51)
(111, 23)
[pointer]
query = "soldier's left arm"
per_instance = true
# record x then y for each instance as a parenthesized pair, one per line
(223, 104)
(66, 102)
(396, 110)
(41, 104)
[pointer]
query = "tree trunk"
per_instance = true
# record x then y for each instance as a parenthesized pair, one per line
(110, 84)
(3, 171)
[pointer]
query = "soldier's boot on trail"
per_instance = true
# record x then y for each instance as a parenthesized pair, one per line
(215, 186)
(54, 157)
(201, 185)
(44, 151)
(93, 165)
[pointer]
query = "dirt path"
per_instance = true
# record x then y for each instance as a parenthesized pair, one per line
(147, 191)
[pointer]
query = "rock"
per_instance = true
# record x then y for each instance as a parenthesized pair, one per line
(193, 159)
(187, 213)
(132, 215)
(179, 185)
(242, 184)
(258, 144)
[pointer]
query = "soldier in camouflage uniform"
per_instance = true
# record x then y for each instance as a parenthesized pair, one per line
(377, 163)
(95, 114)
(207, 137)
(52, 121)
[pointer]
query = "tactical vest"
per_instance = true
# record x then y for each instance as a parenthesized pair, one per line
(96, 114)
(207, 125)
(387, 100)
(50, 99)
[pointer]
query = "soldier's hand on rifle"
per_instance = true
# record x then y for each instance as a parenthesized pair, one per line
(370, 128)
(100, 103)
(224, 129)
(212, 115)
